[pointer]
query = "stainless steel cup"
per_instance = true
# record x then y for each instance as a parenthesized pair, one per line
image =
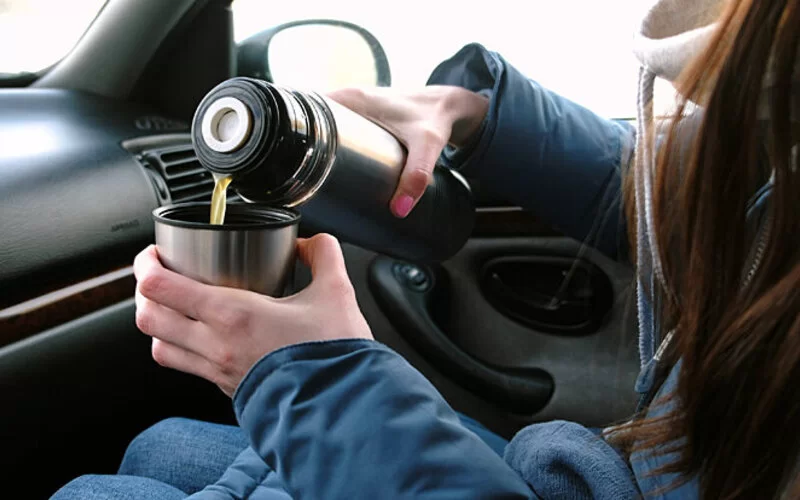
(253, 250)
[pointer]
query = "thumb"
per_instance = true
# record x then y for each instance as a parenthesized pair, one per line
(323, 254)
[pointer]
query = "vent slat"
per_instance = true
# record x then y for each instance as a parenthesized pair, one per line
(188, 173)
(180, 161)
(185, 177)
(177, 188)
(182, 169)
(177, 157)
(201, 196)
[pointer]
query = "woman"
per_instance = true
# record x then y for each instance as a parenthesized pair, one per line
(713, 218)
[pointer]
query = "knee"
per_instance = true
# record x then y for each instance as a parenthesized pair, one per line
(97, 487)
(151, 445)
(78, 488)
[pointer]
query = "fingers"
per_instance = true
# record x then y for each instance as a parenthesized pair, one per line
(168, 325)
(323, 254)
(418, 172)
(355, 99)
(172, 356)
(383, 106)
(176, 308)
(168, 288)
(417, 121)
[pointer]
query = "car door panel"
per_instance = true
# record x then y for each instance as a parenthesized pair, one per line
(581, 370)
(414, 298)
(586, 377)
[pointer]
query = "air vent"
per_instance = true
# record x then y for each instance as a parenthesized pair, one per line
(185, 178)
(171, 164)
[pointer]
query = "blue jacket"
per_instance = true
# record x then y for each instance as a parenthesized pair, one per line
(352, 419)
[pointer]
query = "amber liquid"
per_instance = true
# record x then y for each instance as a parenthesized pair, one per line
(219, 199)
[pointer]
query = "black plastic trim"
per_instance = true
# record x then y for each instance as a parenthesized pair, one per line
(519, 390)
(547, 293)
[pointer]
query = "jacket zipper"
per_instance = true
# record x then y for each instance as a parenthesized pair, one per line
(761, 247)
(755, 263)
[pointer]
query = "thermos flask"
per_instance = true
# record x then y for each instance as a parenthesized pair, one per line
(288, 148)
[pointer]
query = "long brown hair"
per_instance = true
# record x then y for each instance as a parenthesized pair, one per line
(735, 419)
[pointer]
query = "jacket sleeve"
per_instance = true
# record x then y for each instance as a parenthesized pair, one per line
(352, 419)
(543, 152)
(566, 460)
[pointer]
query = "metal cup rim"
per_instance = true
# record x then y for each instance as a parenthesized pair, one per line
(239, 216)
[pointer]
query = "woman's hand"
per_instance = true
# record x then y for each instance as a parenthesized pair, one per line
(218, 333)
(424, 121)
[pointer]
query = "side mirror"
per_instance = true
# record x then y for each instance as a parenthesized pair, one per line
(322, 54)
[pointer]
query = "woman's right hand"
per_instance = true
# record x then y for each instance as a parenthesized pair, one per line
(424, 121)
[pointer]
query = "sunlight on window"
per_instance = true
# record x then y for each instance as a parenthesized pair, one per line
(34, 34)
(578, 48)
(309, 56)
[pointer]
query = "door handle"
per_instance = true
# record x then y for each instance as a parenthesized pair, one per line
(407, 294)
(551, 294)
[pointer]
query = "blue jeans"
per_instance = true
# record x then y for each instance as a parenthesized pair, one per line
(178, 457)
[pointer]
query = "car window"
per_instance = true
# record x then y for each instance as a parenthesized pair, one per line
(578, 48)
(35, 34)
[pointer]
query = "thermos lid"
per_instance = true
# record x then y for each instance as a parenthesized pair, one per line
(278, 144)
(226, 125)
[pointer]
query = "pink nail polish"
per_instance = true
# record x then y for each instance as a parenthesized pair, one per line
(402, 206)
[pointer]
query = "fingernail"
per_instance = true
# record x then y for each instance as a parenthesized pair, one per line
(402, 206)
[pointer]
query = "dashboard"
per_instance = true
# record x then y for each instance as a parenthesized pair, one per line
(79, 178)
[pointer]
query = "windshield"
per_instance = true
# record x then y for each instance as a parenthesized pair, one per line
(578, 48)
(34, 34)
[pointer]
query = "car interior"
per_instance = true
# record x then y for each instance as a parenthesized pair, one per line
(522, 325)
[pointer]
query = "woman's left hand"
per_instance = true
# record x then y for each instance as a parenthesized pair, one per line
(218, 333)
